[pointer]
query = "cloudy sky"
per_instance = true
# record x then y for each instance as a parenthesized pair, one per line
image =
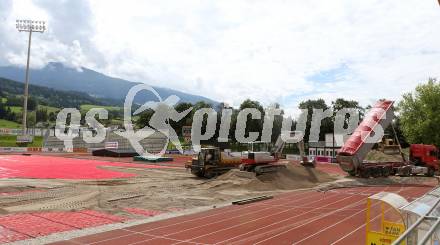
(268, 50)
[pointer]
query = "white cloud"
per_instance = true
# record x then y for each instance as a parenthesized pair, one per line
(233, 50)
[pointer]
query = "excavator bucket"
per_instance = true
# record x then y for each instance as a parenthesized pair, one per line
(307, 163)
(389, 146)
(391, 150)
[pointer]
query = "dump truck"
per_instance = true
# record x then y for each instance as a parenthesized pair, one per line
(351, 157)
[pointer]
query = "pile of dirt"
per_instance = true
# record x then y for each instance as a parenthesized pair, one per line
(151, 189)
(293, 177)
(375, 155)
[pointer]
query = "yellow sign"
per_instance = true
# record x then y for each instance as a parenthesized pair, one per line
(393, 229)
(388, 231)
(376, 238)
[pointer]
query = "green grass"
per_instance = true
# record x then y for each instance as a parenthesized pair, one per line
(16, 109)
(49, 108)
(8, 124)
(4, 100)
(117, 122)
(10, 141)
(87, 107)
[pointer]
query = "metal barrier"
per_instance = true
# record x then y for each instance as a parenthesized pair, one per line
(422, 218)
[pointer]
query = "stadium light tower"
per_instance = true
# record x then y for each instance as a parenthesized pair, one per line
(28, 26)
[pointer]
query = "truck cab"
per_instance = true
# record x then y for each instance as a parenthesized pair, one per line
(424, 155)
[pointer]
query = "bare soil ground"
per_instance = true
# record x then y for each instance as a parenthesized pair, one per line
(166, 189)
(152, 189)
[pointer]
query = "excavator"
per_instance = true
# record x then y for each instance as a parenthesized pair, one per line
(210, 161)
(265, 161)
(388, 145)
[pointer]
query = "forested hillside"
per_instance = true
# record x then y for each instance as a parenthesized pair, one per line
(13, 91)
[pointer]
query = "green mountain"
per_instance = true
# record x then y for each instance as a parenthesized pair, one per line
(47, 96)
(60, 77)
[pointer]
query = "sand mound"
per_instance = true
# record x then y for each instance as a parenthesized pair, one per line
(376, 155)
(293, 177)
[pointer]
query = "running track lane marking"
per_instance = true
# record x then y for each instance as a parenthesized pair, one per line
(275, 200)
(309, 220)
(293, 228)
(252, 212)
(189, 240)
(362, 226)
(269, 216)
(400, 190)
(212, 215)
(328, 227)
(180, 231)
(180, 241)
(352, 232)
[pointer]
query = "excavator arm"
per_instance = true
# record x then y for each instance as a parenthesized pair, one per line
(280, 143)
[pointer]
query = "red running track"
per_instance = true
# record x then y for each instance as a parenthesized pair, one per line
(16, 227)
(51, 167)
(302, 217)
(178, 160)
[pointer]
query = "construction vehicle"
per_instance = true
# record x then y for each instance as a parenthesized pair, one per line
(260, 159)
(425, 156)
(304, 159)
(352, 154)
(210, 161)
(388, 145)
(265, 161)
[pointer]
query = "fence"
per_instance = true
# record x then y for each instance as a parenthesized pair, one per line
(29, 131)
(422, 217)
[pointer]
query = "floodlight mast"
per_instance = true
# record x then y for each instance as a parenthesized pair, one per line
(28, 26)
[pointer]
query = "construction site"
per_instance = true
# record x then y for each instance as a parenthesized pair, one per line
(219, 122)
(109, 195)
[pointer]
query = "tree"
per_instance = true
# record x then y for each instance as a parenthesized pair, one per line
(253, 125)
(41, 115)
(341, 103)
(31, 103)
(2, 110)
(31, 120)
(420, 114)
(186, 121)
(277, 122)
(52, 116)
(399, 133)
(144, 118)
(18, 101)
(326, 124)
